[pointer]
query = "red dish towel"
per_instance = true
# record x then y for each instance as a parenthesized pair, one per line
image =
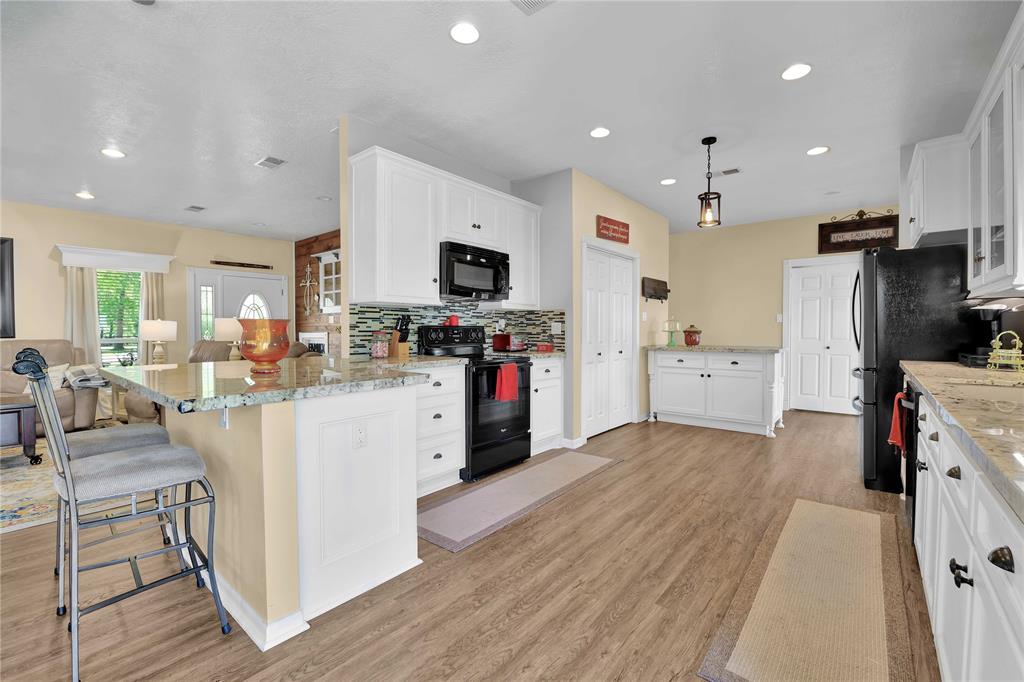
(896, 430)
(507, 387)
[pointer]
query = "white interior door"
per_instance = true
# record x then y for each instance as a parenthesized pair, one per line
(620, 342)
(228, 293)
(821, 336)
(595, 342)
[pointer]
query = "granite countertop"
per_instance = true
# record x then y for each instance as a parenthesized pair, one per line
(199, 387)
(535, 354)
(414, 363)
(984, 411)
(716, 349)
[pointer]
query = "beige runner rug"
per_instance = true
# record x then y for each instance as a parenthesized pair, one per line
(821, 600)
(458, 522)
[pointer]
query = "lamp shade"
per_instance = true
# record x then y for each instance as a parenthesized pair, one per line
(158, 330)
(226, 329)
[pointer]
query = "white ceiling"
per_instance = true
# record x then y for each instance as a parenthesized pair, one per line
(196, 92)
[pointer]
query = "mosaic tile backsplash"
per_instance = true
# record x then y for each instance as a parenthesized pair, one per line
(534, 325)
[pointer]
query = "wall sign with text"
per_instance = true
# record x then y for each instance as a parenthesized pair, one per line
(613, 230)
(858, 232)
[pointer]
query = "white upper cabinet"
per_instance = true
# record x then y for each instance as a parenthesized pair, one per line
(402, 209)
(938, 203)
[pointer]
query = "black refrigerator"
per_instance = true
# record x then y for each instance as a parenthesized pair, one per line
(912, 307)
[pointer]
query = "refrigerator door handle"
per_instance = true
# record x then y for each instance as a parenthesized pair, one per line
(853, 309)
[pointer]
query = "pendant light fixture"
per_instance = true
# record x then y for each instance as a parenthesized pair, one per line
(710, 202)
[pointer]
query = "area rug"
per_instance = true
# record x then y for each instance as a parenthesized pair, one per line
(26, 491)
(821, 600)
(457, 522)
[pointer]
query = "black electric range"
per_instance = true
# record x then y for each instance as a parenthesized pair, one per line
(497, 431)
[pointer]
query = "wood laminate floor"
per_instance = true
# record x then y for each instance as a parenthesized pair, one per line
(624, 577)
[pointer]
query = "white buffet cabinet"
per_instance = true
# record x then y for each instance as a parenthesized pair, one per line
(737, 391)
(976, 607)
(441, 420)
(401, 210)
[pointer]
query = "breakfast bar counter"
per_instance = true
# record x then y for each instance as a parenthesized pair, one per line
(314, 471)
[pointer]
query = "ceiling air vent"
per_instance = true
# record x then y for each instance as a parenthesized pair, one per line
(727, 171)
(195, 209)
(270, 163)
(529, 7)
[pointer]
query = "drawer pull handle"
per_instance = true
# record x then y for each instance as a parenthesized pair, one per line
(922, 418)
(734, 362)
(954, 567)
(934, 436)
(680, 360)
(960, 579)
(954, 472)
(1002, 557)
(437, 416)
(437, 383)
(922, 466)
(438, 455)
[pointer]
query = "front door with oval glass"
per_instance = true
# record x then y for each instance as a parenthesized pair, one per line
(217, 293)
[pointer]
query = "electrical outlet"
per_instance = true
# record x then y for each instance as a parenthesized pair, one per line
(556, 327)
(330, 319)
(359, 435)
(499, 325)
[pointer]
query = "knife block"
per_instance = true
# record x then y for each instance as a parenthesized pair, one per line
(398, 350)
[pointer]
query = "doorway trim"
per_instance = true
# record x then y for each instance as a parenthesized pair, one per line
(788, 266)
(191, 289)
(604, 246)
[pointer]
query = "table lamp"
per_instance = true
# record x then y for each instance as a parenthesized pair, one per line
(158, 331)
(230, 330)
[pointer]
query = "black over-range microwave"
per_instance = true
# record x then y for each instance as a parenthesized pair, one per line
(472, 272)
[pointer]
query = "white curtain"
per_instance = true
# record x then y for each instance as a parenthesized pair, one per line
(81, 316)
(152, 307)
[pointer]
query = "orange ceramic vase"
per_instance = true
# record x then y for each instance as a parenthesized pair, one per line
(264, 342)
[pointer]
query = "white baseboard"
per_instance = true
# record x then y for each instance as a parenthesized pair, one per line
(573, 443)
(336, 600)
(435, 483)
(742, 427)
(641, 418)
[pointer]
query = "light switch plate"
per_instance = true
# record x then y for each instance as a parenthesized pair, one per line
(778, 318)
(643, 315)
(556, 327)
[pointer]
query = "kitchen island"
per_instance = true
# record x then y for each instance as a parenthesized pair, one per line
(737, 388)
(314, 472)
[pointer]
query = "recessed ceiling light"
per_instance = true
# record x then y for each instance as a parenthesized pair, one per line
(815, 151)
(84, 194)
(112, 153)
(464, 33)
(600, 132)
(324, 198)
(831, 192)
(668, 181)
(796, 71)
(259, 224)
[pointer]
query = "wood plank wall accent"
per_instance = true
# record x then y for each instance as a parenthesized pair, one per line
(316, 322)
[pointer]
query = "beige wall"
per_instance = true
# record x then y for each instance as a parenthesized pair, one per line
(728, 281)
(39, 276)
(648, 237)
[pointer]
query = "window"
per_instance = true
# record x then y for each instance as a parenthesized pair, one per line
(330, 281)
(254, 307)
(206, 312)
(118, 299)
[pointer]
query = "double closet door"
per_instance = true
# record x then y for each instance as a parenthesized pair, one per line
(608, 348)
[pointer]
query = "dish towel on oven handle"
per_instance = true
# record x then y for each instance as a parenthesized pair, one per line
(896, 429)
(508, 383)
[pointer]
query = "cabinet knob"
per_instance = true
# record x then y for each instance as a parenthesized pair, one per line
(438, 455)
(954, 567)
(1002, 557)
(536, 390)
(620, 352)
(701, 376)
(435, 280)
(510, 287)
(922, 418)
(437, 416)
(547, 371)
(680, 360)
(954, 472)
(599, 354)
(978, 259)
(934, 436)
(922, 466)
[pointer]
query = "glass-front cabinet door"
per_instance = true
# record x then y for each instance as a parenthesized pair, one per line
(976, 233)
(999, 190)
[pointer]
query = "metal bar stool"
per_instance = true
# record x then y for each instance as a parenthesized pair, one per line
(94, 442)
(132, 473)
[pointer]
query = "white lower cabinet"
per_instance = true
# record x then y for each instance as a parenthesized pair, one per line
(545, 405)
(440, 429)
(733, 391)
(966, 538)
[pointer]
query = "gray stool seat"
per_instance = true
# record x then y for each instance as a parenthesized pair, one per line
(123, 472)
(96, 441)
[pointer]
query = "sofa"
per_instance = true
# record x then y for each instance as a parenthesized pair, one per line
(141, 409)
(77, 408)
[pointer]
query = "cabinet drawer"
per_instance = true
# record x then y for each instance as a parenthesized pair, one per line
(443, 381)
(995, 526)
(693, 360)
(435, 455)
(545, 370)
(749, 362)
(953, 463)
(440, 415)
